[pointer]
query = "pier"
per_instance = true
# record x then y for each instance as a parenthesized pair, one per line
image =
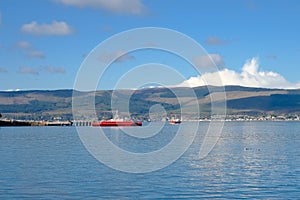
(11, 122)
(34, 123)
(82, 123)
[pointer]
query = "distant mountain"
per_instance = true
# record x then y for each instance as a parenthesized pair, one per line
(44, 104)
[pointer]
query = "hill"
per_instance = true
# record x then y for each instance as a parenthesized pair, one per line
(47, 105)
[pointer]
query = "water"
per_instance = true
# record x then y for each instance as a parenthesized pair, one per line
(252, 160)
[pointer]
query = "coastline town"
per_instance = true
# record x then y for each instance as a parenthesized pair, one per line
(228, 118)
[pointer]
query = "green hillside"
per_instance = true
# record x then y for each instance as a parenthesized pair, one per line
(48, 105)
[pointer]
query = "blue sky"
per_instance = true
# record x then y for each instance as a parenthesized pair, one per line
(43, 43)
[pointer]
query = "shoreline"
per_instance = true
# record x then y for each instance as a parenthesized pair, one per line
(15, 123)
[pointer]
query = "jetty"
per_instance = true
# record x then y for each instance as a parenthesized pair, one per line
(34, 123)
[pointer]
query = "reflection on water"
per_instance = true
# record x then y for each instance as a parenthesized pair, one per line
(257, 160)
(123, 138)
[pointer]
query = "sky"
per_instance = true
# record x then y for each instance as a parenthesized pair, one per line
(255, 43)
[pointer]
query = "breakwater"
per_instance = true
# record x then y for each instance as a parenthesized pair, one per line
(34, 123)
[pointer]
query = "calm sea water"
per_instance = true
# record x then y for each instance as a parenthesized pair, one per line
(252, 160)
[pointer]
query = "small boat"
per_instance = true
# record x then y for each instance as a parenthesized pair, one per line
(117, 123)
(175, 121)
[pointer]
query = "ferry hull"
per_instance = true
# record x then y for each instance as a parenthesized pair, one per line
(117, 123)
(175, 121)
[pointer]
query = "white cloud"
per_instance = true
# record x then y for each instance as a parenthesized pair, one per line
(271, 57)
(106, 28)
(28, 70)
(251, 5)
(120, 57)
(55, 70)
(23, 45)
(29, 50)
(133, 7)
(213, 40)
(208, 61)
(3, 70)
(250, 76)
(34, 71)
(35, 54)
(55, 28)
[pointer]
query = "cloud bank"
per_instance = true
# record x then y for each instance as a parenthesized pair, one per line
(133, 7)
(250, 76)
(55, 28)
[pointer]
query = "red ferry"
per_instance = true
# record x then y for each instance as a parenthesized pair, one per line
(175, 121)
(117, 123)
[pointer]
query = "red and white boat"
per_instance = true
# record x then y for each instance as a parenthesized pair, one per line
(174, 121)
(113, 122)
(116, 121)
